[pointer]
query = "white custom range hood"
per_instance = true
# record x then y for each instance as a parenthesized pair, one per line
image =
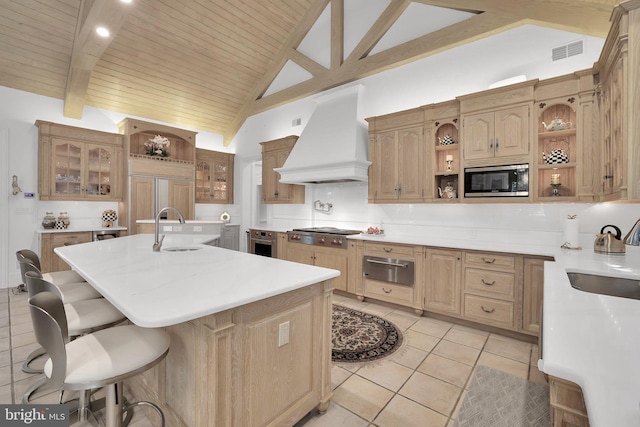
(333, 147)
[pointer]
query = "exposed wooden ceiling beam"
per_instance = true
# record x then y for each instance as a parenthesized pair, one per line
(378, 29)
(337, 33)
(478, 27)
(578, 16)
(88, 47)
(310, 17)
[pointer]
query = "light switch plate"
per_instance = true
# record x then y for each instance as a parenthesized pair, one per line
(283, 334)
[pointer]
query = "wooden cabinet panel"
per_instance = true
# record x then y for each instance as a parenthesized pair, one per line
(274, 155)
(337, 259)
(390, 292)
(443, 281)
(141, 195)
(533, 293)
(495, 284)
(489, 260)
(214, 177)
(489, 311)
(389, 250)
(567, 404)
(397, 169)
(79, 164)
(49, 261)
(500, 133)
(181, 197)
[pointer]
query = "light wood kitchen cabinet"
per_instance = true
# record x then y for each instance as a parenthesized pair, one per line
(214, 177)
(406, 295)
(567, 404)
(337, 259)
(565, 144)
(496, 125)
(499, 133)
(78, 164)
(444, 140)
(49, 261)
(396, 151)
(533, 292)
(490, 293)
(274, 154)
(443, 281)
(618, 100)
(157, 181)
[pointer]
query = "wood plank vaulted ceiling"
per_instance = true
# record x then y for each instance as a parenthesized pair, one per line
(205, 64)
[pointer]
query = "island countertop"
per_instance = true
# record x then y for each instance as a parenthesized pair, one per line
(156, 289)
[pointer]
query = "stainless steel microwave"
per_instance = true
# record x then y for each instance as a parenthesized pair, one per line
(497, 181)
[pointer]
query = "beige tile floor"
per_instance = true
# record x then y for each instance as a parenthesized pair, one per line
(421, 385)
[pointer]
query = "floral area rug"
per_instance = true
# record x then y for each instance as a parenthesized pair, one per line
(361, 337)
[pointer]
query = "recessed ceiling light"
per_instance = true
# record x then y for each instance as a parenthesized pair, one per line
(102, 31)
(125, 1)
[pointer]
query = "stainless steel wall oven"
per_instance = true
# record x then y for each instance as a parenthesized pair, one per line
(263, 242)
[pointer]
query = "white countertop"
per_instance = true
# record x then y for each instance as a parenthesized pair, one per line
(78, 229)
(592, 340)
(155, 289)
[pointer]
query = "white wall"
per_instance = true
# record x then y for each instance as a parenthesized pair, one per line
(467, 69)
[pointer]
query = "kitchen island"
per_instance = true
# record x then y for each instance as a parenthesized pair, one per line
(250, 336)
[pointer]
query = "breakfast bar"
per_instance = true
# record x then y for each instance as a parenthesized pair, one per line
(242, 327)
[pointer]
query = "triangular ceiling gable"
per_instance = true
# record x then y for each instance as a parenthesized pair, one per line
(290, 74)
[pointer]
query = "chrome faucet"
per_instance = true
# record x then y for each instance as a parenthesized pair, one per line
(157, 243)
(633, 237)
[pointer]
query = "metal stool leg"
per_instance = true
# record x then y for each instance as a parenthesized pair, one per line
(30, 358)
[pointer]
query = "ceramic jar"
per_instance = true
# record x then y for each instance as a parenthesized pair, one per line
(63, 221)
(49, 220)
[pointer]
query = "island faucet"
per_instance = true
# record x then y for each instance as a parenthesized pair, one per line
(157, 243)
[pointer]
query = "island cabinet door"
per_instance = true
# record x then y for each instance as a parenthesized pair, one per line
(443, 281)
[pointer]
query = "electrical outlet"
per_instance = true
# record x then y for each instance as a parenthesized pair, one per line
(177, 228)
(197, 228)
(167, 228)
(283, 334)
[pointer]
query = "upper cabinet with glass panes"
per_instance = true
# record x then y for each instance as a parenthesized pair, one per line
(214, 177)
(78, 164)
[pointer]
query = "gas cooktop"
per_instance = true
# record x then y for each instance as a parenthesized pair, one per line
(328, 230)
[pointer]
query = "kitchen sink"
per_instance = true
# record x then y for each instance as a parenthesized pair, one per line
(182, 249)
(604, 285)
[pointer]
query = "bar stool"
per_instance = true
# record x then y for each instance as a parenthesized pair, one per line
(82, 317)
(70, 293)
(55, 277)
(101, 359)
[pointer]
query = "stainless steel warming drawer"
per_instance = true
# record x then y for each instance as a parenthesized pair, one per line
(398, 271)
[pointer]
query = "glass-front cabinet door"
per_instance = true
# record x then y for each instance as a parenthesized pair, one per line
(99, 171)
(82, 170)
(214, 177)
(67, 162)
(203, 180)
(219, 188)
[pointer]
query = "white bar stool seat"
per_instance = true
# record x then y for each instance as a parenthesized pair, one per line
(55, 277)
(101, 359)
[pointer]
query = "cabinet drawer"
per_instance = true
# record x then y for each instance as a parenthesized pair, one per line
(383, 249)
(389, 292)
(503, 262)
(66, 239)
(489, 311)
(495, 284)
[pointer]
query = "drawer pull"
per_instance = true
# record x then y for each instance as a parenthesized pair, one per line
(488, 283)
(388, 249)
(393, 264)
(487, 311)
(489, 261)
(387, 291)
